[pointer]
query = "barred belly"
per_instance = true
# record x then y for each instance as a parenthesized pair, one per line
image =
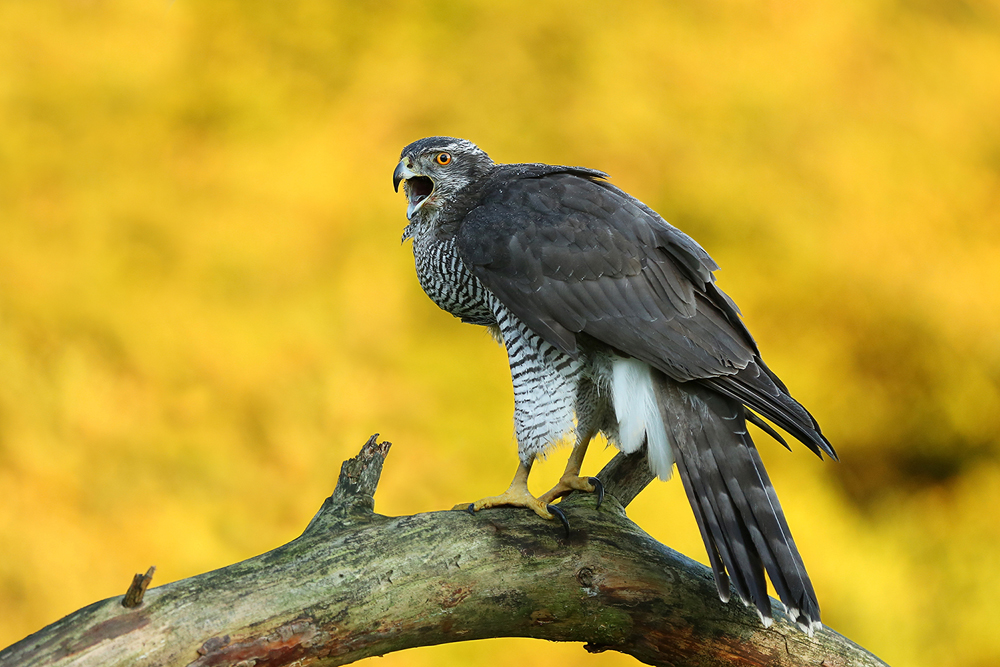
(547, 386)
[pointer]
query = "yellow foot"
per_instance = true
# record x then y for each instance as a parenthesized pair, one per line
(518, 496)
(510, 498)
(569, 483)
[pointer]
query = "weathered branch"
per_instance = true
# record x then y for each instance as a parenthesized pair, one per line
(357, 584)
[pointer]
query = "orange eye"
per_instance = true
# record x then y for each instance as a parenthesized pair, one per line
(443, 158)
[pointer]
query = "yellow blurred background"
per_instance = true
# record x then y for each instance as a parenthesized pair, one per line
(205, 307)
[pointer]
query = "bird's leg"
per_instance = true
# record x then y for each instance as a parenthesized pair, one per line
(571, 480)
(517, 495)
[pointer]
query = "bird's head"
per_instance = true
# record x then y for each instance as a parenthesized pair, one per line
(435, 169)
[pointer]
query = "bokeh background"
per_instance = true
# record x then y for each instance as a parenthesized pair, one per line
(205, 307)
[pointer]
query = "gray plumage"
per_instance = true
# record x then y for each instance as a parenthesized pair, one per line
(612, 316)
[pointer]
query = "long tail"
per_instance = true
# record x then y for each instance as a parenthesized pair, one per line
(734, 503)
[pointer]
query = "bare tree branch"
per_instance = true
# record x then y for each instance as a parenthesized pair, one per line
(357, 584)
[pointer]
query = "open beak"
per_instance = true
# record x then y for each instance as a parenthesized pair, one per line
(417, 187)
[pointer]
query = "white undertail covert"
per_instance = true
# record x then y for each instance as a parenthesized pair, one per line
(638, 414)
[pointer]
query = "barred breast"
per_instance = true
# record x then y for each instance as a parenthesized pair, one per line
(448, 282)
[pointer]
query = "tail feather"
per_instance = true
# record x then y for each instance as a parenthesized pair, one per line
(749, 569)
(734, 503)
(754, 496)
(705, 484)
(801, 603)
(711, 533)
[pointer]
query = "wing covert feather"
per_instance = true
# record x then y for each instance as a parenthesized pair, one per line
(569, 255)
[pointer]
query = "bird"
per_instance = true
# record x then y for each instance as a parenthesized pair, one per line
(613, 324)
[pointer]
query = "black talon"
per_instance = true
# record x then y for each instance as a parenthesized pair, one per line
(598, 489)
(562, 517)
(470, 510)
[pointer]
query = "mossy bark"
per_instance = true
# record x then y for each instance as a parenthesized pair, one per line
(357, 584)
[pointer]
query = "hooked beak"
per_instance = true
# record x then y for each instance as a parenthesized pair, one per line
(402, 173)
(417, 187)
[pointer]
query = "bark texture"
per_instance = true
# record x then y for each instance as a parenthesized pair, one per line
(357, 584)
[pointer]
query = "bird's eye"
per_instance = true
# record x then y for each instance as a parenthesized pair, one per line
(443, 158)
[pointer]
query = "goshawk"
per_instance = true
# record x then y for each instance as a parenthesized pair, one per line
(613, 324)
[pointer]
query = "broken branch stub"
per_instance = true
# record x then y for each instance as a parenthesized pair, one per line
(353, 499)
(135, 592)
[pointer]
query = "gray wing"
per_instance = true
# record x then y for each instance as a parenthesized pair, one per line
(568, 254)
